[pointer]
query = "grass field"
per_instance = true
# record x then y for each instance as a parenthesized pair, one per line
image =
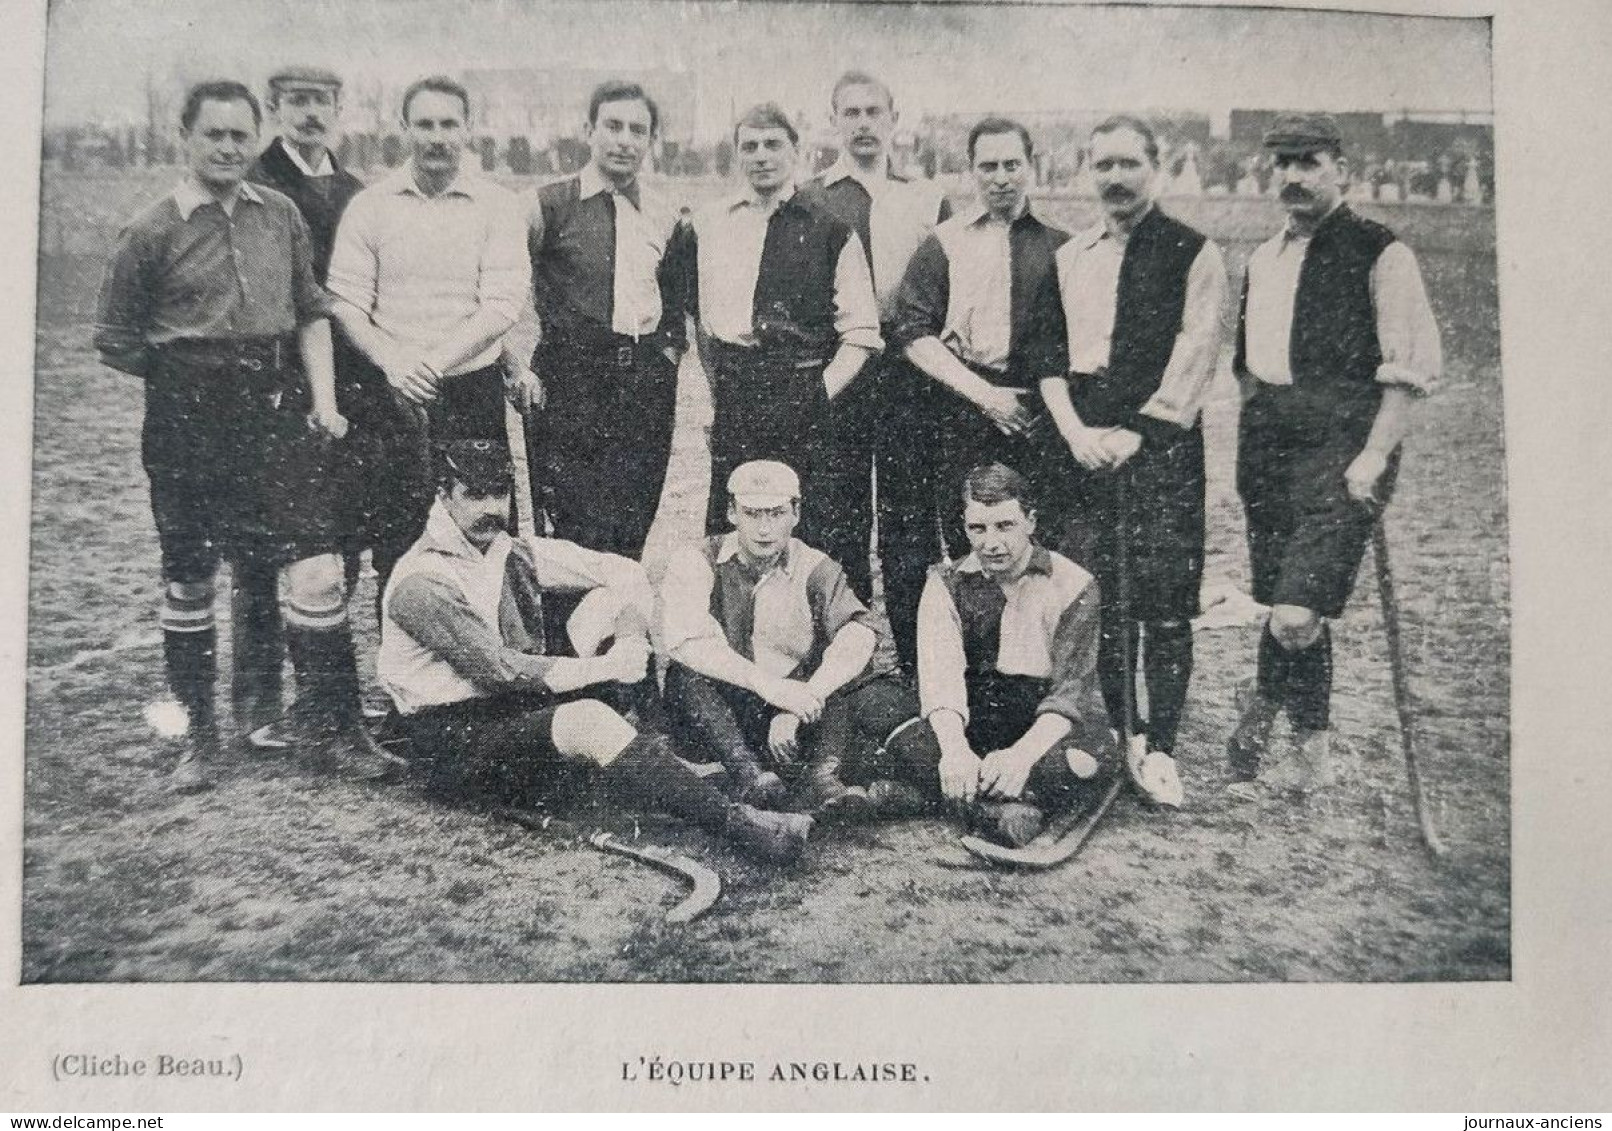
(281, 873)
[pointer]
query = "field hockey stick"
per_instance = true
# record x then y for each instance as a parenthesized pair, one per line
(1401, 684)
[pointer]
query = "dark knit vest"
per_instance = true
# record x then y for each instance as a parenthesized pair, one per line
(793, 305)
(321, 200)
(1333, 352)
(1147, 319)
(573, 272)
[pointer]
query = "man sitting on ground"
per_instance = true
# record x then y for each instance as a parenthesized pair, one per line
(1007, 667)
(486, 701)
(772, 654)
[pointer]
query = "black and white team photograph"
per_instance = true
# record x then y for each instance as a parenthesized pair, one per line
(766, 492)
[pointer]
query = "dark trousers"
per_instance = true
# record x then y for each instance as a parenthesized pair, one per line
(862, 427)
(934, 438)
(600, 448)
(1001, 709)
(771, 406)
(399, 471)
(731, 722)
(1139, 529)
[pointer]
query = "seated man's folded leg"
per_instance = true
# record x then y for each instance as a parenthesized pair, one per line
(710, 716)
(640, 770)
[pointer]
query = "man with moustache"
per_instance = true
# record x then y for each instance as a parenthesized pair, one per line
(211, 299)
(1135, 309)
(964, 317)
(891, 214)
(306, 102)
(430, 272)
(608, 267)
(1335, 345)
(489, 705)
(787, 317)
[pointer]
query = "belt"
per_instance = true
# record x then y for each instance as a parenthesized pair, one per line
(728, 353)
(620, 350)
(254, 355)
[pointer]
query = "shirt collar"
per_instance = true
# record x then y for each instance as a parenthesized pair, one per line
(977, 212)
(843, 169)
(327, 165)
(442, 535)
(1288, 234)
(1040, 562)
(466, 183)
(591, 182)
(729, 551)
(189, 196)
(747, 197)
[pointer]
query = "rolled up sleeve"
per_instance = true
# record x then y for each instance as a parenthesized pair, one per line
(920, 308)
(569, 568)
(312, 302)
(1196, 352)
(506, 268)
(1407, 333)
(1075, 693)
(942, 663)
(856, 309)
(685, 602)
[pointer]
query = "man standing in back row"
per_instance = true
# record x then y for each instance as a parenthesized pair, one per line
(1136, 308)
(1335, 345)
(891, 214)
(787, 318)
(211, 300)
(430, 272)
(299, 162)
(609, 260)
(964, 319)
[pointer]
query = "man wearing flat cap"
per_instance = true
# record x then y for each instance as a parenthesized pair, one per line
(1335, 345)
(492, 704)
(299, 162)
(772, 657)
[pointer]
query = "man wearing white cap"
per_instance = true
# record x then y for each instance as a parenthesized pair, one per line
(773, 654)
(491, 706)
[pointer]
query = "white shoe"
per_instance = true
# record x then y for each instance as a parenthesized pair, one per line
(1159, 780)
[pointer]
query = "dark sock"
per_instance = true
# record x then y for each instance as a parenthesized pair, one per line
(1275, 664)
(1112, 675)
(327, 670)
(1167, 664)
(192, 662)
(646, 776)
(258, 639)
(1309, 684)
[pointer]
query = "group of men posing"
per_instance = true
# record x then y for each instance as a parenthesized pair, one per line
(1024, 400)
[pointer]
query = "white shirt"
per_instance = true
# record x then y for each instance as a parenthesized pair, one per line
(325, 168)
(979, 309)
(1407, 335)
(901, 214)
(732, 233)
(419, 266)
(642, 232)
(1088, 283)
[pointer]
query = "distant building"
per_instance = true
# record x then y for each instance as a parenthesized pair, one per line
(547, 103)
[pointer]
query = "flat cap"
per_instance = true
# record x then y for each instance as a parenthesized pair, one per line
(764, 483)
(483, 466)
(1303, 133)
(287, 77)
